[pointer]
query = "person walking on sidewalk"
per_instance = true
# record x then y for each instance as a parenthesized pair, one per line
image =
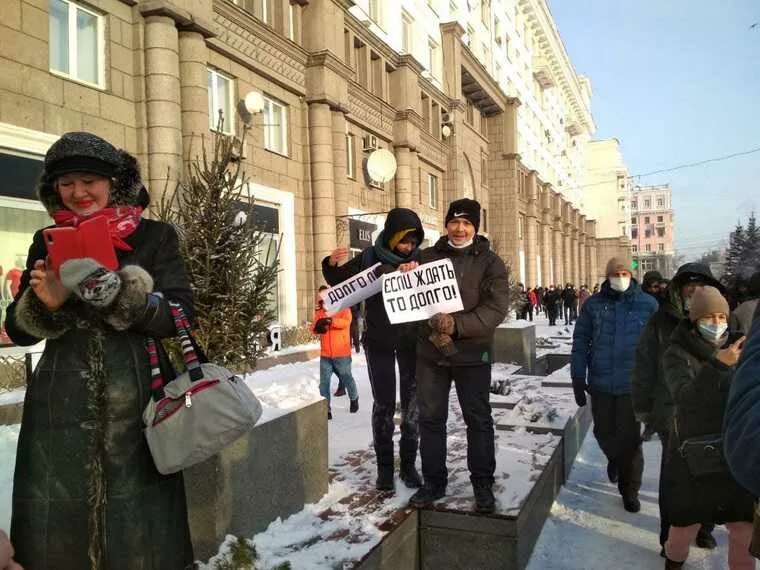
(652, 404)
(604, 348)
(551, 304)
(386, 344)
(698, 368)
(335, 352)
(457, 348)
(570, 303)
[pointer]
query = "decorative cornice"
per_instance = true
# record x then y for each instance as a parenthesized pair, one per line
(334, 105)
(452, 28)
(183, 19)
(326, 58)
(408, 60)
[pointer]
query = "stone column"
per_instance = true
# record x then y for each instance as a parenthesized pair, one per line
(193, 58)
(164, 117)
(546, 248)
(531, 232)
(322, 183)
(582, 259)
(575, 258)
(340, 181)
(557, 254)
(566, 254)
(404, 177)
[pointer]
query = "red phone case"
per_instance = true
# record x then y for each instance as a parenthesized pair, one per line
(89, 239)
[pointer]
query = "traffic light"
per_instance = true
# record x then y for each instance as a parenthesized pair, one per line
(635, 264)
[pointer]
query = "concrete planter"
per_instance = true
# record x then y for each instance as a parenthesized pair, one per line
(516, 345)
(270, 472)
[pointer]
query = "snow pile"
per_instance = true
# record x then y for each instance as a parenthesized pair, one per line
(536, 406)
(13, 397)
(285, 388)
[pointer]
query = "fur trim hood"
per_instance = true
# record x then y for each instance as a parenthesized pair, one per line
(86, 148)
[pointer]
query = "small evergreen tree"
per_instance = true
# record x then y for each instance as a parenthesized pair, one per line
(734, 256)
(231, 276)
(750, 258)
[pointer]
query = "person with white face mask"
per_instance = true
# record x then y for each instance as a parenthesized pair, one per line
(699, 369)
(604, 346)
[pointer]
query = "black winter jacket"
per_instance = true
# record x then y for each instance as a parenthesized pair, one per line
(483, 284)
(698, 383)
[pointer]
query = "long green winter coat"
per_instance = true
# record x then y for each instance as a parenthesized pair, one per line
(698, 383)
(86, 493)
(85, 402)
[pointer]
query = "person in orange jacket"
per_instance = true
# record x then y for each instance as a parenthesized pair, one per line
(335, 352)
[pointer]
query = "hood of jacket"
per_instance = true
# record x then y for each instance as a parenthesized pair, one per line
(673, 303)
(399, 219)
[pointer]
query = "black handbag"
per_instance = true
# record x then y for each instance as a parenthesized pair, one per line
(703, 454)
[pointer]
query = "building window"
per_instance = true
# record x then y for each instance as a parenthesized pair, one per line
(520, 226)
(660, 232)
(484, 170)
(633, 221)
(660, 219)
(659, 202)
(350, 172)
(433, 58)
(425, 104)
(647, 233)
(407, 32)
(376, 74)
(275, 126)
(648, 248)
(435, 120)
(485, 13)
(634, 233)
(469, 112)
(220, 94)
(646, 219)
(634, 205)
(76, 42)
(433, 191)
(634, 248)
(660, 248)
(647, 204)
(497, 32)
(360, 56)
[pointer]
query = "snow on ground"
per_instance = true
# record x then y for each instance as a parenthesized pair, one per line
(588, 528)
(13, 397)
(8, 439)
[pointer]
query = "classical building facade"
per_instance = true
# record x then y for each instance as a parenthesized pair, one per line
(502, 120)
(652, 230)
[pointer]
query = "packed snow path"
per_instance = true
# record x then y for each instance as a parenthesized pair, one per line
(588, 529)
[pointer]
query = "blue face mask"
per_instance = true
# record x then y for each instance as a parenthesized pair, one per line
(713, 332)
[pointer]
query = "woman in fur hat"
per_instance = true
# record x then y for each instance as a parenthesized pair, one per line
(86, 493)
(698, 367)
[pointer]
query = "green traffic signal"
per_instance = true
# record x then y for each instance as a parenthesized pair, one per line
(634, 264)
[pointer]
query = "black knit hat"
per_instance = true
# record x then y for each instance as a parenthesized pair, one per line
(86, 152)
(467, 209)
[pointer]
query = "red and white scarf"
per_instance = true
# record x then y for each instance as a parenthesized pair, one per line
(122, 222)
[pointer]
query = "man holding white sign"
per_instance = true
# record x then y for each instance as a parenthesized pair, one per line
(456, 346)
(385, 343)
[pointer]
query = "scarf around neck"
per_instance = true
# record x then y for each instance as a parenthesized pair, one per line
(386, 255)
(122, 222)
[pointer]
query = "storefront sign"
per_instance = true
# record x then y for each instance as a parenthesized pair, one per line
(351, 291)
(360, 234)
(419, 294)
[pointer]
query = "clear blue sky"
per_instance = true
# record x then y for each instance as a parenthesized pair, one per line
(676, 81)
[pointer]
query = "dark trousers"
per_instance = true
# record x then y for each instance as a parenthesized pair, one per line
(381, 363)
(552, 314)
(619, 436)
(664, 519)
(473, 390)
(529, 311)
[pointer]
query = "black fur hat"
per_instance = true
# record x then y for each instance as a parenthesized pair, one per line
(86, 152)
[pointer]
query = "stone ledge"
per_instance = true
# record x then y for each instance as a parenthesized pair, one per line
(271, 472)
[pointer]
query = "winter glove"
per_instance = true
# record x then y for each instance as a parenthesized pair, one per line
(383, 269)
(443, 343)
(579, 389)
(442, 323)
(90, 281)
(121, 295)
(321, 326)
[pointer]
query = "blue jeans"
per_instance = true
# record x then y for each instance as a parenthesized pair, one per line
(342, 368)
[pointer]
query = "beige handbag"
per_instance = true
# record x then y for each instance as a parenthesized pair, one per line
(197, 414)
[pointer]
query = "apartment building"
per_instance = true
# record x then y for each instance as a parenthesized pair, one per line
(652, 229)
(337, 86)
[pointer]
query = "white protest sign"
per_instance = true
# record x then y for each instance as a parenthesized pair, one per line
(419, 294)
(352, 291)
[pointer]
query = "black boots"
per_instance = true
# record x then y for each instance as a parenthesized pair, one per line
(427, 495)
(631, 502)
(384, 480)
(410, 476)
(354, 406)
(705, 538)
(484, 500)
(672, 564)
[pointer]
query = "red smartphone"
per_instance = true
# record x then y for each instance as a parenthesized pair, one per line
(89, 239)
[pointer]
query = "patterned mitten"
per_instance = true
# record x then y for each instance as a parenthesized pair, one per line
(90, 281)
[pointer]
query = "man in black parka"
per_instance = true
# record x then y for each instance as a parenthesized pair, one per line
(385, 344)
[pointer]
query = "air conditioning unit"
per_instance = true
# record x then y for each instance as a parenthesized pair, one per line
(369, 142)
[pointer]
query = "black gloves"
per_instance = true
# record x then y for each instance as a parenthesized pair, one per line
(579, 389)
(322, 325)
